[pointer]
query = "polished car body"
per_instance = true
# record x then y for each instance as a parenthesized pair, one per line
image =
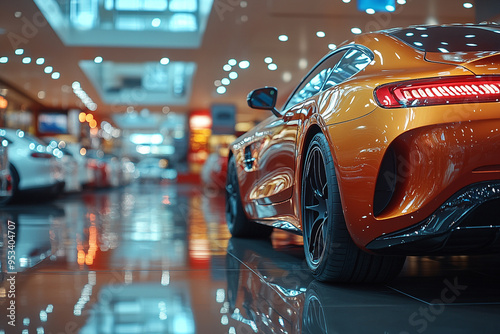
(398, 132)
(32, 168)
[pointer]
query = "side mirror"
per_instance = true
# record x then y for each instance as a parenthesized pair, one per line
(264, 98)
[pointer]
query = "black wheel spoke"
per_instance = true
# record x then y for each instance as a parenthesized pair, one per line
(315, 204)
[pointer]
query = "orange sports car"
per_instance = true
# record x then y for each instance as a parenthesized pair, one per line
(389, 147)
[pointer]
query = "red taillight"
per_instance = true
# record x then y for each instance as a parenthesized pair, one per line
(41, 155)
(435, 91)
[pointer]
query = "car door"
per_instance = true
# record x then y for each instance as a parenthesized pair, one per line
(277, 151)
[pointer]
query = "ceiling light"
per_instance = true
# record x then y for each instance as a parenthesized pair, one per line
(48, 69)
(243, 4)
(227, 67)
(370, 11)
(156, 22)
(346, 1)
(283, 38)
(409, 34)
(320, 34)
(424, 35)
(233, 75)
(217, 83)
(287, 76)
(390, 8)
(471, 44)
(272, 67)
(19, 52)
(232, 62)
(4, 60)
(221, 89)
(303, 63)
(41, 95)
(332, 46)
(56, 75)
(470, 36)
(18, 14)
(98, 60)
(225, 81)
(26, 60)
(356, 31)
(40, 61)
(244, 64)
(268, 60)
(401, 2)
(164, 61)
(468, 5)
(75, 85)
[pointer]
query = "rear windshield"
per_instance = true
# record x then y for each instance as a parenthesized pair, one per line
(450, 38)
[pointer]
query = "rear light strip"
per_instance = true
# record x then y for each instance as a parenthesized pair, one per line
(439, 91)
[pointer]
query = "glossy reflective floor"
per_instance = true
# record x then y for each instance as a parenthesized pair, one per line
(151, 258)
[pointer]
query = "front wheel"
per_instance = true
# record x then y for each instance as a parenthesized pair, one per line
(237, 222)
(330, 252)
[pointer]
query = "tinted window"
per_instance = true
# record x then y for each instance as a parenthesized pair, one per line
(353, 62)
(450, 39)
(314, 81)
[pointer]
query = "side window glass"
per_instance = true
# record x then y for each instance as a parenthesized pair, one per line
(314, 81)
(353, 62)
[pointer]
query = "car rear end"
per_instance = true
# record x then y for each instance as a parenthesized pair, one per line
(434, 138)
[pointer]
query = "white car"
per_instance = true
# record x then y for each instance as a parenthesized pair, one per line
(33, 169)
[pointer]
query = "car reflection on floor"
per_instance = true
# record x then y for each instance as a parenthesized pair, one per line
(158, 258)
(270, 290)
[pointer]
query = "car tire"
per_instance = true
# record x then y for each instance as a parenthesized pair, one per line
(237, 222)
(14, 184)
(330, 252)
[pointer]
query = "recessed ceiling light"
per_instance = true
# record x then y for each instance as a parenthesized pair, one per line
(370, 11)
(48, 69)
(320, 34)
(225, 81)
(156, 22)
(164, 61)
(287, 76)
(217, 83)
(409, 34)
(332, 46)
(346, 1)
(4, 60)
(19, 52)
(98, 60)
(41, 95)
(244, 64)
(75, 85)
(272, 67)
(40, 61)
(18, 14)
(26, 60)
(470, 36)
(268, 60)
(401, 2)
(468, 5)
(356, 31)
(233, 75)
(56, 75)
(390, 8)
(232, 62)
(227, 67)
(303, 63)
(283, 38)
(221, 90)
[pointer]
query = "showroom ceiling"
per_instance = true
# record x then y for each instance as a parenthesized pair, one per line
(181, 55)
